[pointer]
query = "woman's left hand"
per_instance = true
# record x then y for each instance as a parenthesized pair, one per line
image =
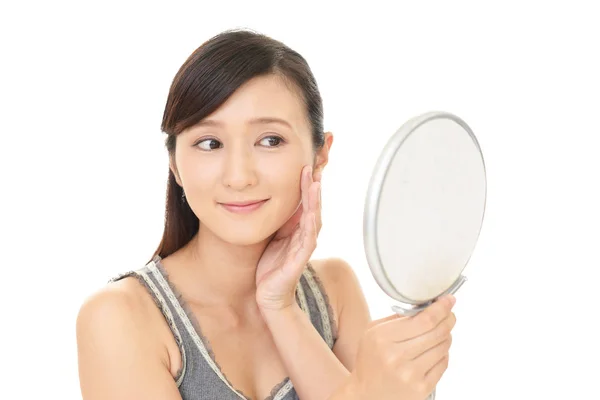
(284, 259)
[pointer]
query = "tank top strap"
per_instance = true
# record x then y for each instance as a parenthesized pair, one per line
(313, 300)
(152, 279)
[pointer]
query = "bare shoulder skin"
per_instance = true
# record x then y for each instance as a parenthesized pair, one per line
(125, 347)
(351, 311)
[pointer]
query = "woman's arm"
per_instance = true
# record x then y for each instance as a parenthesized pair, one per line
(316, 371)
(119, 358)
(353, 315)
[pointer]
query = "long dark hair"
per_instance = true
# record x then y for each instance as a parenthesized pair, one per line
(210, 75)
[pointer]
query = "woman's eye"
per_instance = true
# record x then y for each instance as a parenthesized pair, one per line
(209, 144)
(271, 141)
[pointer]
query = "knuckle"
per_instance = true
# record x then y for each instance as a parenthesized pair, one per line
(429, 321)
(396, 359)
(406, 375)
(452, 320)
(442, 332)
(389, 360)
(446, 362)
(421, 387)
(446, 348)
(378, 341)
(445, 329)
(379, 346)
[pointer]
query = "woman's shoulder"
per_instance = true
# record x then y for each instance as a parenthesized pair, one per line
(119, 343)
(119, 298)
(334, 271)
(121, 313)
(124, 308)
(338, 279)
(119, 308)
(124, 301)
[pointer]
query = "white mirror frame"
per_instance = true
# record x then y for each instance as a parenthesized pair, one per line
(406, 306)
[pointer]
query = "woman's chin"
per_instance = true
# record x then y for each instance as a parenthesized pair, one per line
(246, 237)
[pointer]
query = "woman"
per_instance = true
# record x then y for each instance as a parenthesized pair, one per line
(229, 306)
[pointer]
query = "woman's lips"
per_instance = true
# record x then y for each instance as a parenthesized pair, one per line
(243, 208)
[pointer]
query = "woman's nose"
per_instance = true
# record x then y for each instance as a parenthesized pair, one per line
(239, 170)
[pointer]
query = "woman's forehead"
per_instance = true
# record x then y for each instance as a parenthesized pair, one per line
(262, 100)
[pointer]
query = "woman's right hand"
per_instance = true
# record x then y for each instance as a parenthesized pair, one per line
(405, 357)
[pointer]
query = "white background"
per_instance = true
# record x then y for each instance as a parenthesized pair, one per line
(83, 86)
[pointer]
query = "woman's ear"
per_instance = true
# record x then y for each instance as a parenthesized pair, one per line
(322, 156)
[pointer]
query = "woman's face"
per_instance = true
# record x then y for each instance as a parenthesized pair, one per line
(251, 149)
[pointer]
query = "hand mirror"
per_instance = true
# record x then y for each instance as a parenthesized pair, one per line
(424, 210)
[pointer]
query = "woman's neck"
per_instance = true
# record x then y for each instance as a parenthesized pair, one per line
(217, 273)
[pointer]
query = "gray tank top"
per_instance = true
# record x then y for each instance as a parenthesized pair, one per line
(200, 377)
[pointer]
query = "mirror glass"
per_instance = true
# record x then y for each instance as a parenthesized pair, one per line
(425, 207)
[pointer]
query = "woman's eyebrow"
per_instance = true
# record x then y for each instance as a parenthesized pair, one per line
(268, 120)
(253, 121)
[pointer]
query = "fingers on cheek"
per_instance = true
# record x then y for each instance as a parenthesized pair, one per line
(316, 197)
(307, 185)
(308, 176)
